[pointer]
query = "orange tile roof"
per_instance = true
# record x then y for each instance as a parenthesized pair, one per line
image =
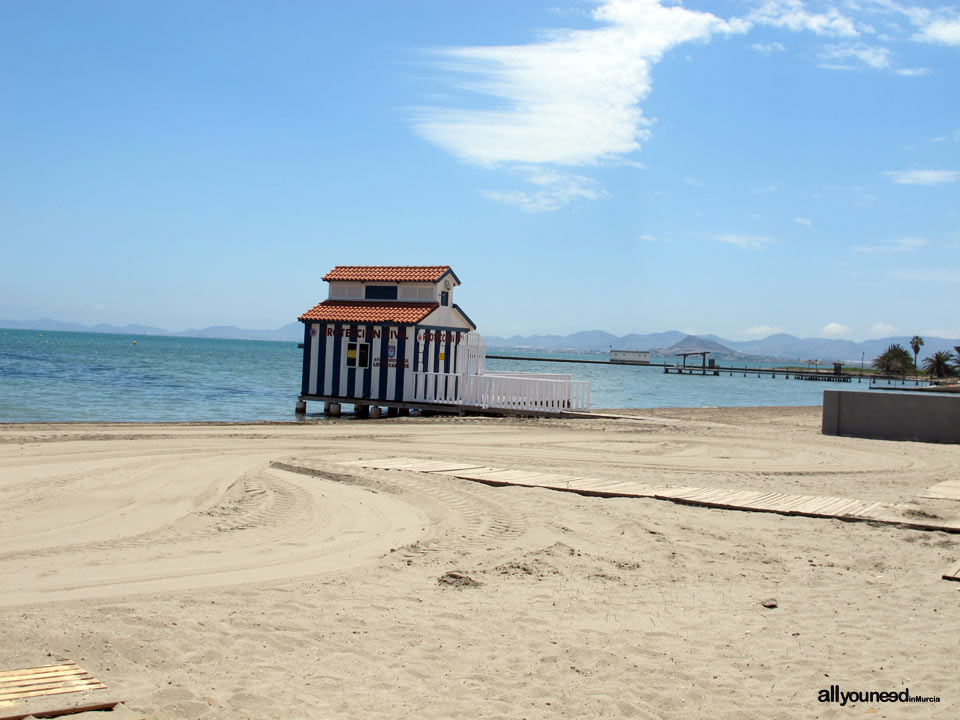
(388, 273)
(386, 311)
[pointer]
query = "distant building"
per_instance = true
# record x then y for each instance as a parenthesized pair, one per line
(393, 336)
(630, 357)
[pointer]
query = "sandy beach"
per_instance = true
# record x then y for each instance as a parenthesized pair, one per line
(243, 571)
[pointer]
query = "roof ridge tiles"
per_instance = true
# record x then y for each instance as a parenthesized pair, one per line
(388, 273)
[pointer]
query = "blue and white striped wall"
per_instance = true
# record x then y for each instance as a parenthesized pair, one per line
(396, 352)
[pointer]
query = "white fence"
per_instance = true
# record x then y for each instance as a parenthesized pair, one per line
(441, 388)
(540, 392)
(514, 392)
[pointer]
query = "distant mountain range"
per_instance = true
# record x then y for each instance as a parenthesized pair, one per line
(774, 347)
(665, 344)
(291, 331)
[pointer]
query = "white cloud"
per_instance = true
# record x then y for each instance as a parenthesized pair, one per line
(99, 306)
(768, 48)
(872, 56)
(556, 189)
(747, 242)
(937, 276)
(922, 177)
(943, 31)
(803, 221)
(913, 72)
(900, 246)
(763, 330)
(792, 15)
(765, 190)
(834, 329)
(882, 328)
(571, 98)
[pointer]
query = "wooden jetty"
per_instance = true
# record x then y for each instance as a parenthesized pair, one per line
(703, 369)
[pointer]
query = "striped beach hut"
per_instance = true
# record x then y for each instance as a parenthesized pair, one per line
(378, 328)
(393, 336)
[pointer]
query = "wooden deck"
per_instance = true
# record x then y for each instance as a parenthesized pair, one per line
(722, 498)
(51, 691)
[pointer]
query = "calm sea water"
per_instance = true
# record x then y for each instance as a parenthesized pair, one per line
(54, 376)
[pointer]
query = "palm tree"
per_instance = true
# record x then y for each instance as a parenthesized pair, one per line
(916, 342)
(895, 360)
(938, 365)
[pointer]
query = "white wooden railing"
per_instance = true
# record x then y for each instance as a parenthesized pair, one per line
(535, 376)
(441, 388)
(519, 393)
(541, 392)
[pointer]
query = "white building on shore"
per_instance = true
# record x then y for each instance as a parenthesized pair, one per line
(393, 336)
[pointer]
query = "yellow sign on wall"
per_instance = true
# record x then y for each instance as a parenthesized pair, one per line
(443, 356)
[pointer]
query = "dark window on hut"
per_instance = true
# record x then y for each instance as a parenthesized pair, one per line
(444, 298)
(381, 292)
(358, 355)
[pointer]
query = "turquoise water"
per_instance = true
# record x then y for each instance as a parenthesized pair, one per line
(64, 376)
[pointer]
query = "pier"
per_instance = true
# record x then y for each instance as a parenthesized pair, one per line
(706, 369)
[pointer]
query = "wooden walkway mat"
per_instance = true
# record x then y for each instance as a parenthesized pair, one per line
(50, 691)
(721, 498)
(953, 573)
(948, 490)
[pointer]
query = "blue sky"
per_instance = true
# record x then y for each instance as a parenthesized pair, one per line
(741, 168)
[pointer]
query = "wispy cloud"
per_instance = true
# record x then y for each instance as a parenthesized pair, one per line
(922, 177)
(746, 242)
(768, 48)
(913, 72)
(871, 56)
(937, 276)
(803, 221)
(942, 30)
(834, 329)
(573, 97)
(793, 15)
(570, 99)
(555, 190)
(882, 328)
(900, 246)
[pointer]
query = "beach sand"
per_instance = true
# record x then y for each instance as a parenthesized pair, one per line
(198, 579)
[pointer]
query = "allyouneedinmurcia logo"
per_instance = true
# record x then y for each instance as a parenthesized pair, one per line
(834, 694)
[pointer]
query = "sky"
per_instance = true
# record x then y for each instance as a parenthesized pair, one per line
(740, 168)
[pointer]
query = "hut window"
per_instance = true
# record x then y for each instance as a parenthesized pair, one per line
(381, 292)
(444, 298)
(358, 355)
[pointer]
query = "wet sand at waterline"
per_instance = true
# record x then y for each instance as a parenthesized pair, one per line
(240, 571)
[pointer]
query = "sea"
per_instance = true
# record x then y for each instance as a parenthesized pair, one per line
(74, 376)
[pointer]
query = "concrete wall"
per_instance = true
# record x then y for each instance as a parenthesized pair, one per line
(891, 416)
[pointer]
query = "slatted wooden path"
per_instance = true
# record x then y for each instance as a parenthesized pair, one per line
(722, 498)
(948, 490)
(953, 573)
(51, 691)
